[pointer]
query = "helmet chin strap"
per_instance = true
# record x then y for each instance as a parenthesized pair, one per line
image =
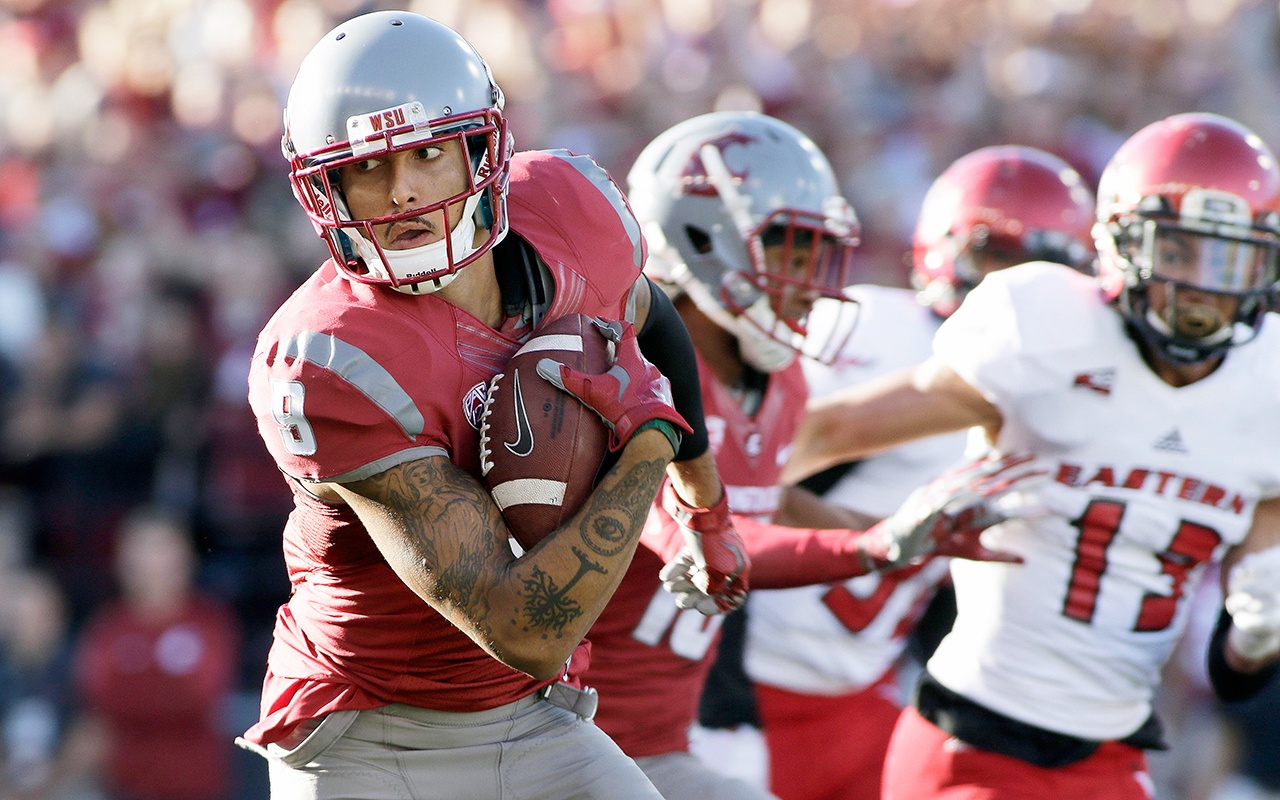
(424, 260)
(1162, 326)
(759, 349)
(1161, 335)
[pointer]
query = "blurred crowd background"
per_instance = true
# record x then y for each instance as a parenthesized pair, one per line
(147, 231)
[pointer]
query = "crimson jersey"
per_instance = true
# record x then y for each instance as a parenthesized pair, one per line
(349, 380)
(650, 658)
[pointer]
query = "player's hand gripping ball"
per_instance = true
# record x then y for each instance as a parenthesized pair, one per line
(541, 450)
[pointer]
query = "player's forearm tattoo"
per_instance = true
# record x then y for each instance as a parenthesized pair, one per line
(615, 514)
(613, 520)
(423, 495)
(550, 607)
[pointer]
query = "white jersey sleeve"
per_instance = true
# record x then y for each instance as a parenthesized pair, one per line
(1006, 350)
(893, 331)
(1148, 484)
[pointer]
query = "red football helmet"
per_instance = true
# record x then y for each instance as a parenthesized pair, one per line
(1003, 205)
(1189, 210)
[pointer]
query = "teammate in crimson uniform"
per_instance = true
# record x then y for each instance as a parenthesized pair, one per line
(749, 227)
(417, 654)
(1150, 398)
(820, 656)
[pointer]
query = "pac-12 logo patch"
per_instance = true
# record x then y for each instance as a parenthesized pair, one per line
(473, 404)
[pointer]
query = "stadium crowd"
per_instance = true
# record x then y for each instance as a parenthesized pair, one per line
(147, 231)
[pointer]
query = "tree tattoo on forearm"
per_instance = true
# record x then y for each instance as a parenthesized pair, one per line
(612, 522)
(551, 607)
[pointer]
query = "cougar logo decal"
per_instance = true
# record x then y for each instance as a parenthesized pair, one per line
(694, 180)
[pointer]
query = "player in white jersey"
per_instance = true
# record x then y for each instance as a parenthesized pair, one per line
(1150, 397)
(822, 655)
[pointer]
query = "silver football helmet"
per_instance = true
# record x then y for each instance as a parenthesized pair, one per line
(743, 214)
(382, 83)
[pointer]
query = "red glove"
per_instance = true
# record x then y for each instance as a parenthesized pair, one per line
(629, 394)
(947, 517)
(710, 573)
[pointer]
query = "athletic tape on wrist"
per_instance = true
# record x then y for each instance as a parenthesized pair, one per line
(664, 427)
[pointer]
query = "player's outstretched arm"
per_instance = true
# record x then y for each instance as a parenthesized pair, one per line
(445, 538)
(802, 508)
(943, 518)
(913, 403)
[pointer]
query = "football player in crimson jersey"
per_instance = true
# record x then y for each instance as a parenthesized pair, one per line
(820, 656)
(748, 227)
(1149, 396)
(417, 654)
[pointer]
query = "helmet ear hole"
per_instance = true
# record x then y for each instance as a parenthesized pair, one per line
(699, 239)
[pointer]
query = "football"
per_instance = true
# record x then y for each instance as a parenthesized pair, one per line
(541, 450)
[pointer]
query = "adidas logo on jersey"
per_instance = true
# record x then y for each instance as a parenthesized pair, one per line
(1171, 442)
(1098, 380)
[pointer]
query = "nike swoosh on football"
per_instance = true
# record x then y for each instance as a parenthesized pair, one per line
(523, 445)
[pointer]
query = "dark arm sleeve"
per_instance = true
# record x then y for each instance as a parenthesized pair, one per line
(665, 341)
(1232, 686)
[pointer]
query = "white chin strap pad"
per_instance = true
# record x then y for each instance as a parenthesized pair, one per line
(424, 260)
(758, 348)
(1223, 334)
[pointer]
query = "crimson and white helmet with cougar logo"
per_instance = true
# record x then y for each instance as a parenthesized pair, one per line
(383, 83)
(1190, 204)
(712, 193)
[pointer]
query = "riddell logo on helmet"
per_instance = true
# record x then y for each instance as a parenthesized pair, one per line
(695, 180)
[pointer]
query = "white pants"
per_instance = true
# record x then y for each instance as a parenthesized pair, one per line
(529, 749)
(683, 776)
(739, 752)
